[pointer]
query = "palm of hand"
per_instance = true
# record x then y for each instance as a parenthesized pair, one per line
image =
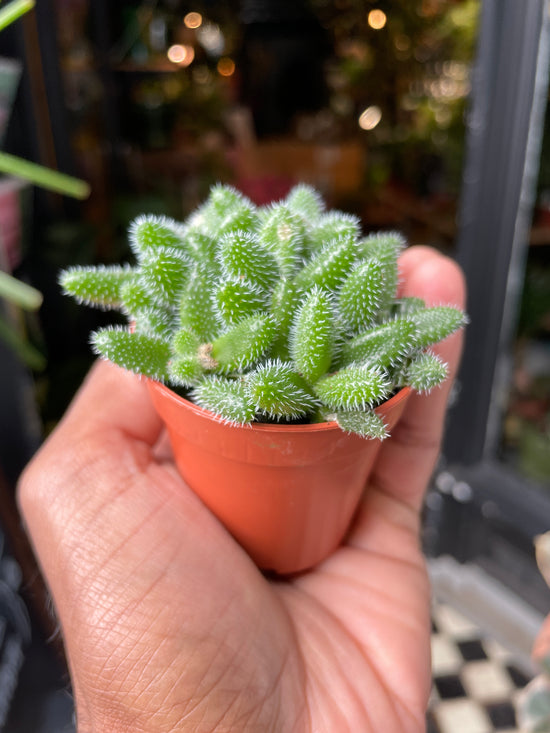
(169, 626)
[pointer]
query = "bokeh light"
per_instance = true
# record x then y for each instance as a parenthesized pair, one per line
(193, 20)
(182, 55)
(370, 117)
(377, 19)
(226, 66)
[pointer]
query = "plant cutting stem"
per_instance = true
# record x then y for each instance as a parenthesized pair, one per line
(13, 11)
(44, 177)
(19, 293)
(26, 351)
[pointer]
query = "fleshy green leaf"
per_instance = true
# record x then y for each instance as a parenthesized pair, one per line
(185, 341)
(385, 248)
(147, 232)
(224, 199)
(242, 218)
(154, 322)
(435, 324)
(312, 335)
(242, 256)
(408, 305)
(330, 266)
(135, 297)
(425, 372)
(202, 251)
(353, 388)
(333, 225)
(164, 272)
(98, 286)
(361, 295)
(234, 299)
(226, 210)
(381, 244)
(305, 201)
(136, 352)
(282, 232)
(365, 423)
(197, 310)
(242, 346)
(185, 371)
(185, 367)
(277, 391)
(386, 345)
(227, 398)
(284, 301)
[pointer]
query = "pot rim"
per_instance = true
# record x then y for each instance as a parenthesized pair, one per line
(332, 425)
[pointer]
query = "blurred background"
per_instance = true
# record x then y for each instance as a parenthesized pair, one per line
(424, 116)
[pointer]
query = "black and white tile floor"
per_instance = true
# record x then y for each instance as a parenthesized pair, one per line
(481, 640)
(475, 678)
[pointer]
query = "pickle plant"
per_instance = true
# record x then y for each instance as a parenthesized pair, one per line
(271, 313)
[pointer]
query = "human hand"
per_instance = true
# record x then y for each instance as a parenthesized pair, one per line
(167, 623)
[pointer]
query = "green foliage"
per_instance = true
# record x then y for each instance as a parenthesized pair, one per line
(278, 391)
(355, 387)
(225, 397)
(244, 343)
(435, 324)
(333, 225)
(235, 298)
(306, 202)
(242, 256)
(328, 267)
(425, 372)
(196, 305)
(99, 286)
(361, 295)
(136, 352)
(283, 233)
(149, 233)
(163, 273)
(312, 338)
(280, 312)
(386, 345)
(365, 423)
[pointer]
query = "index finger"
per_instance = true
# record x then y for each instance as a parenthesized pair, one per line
(111, 398)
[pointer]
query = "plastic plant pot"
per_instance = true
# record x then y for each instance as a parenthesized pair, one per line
(287, 493)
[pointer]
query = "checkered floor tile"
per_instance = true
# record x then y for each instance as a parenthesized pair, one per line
(475, 680)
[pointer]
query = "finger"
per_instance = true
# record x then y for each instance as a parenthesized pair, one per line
(407, 459)
(112, 398)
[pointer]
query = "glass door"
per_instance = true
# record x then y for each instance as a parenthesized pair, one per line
(491, 496)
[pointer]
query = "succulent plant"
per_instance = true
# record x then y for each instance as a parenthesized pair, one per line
(276, 313)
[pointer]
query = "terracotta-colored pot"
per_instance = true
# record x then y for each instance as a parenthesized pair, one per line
(287, 493)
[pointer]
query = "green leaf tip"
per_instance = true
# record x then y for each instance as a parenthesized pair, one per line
(277, 391)
(99, 286)
(245, 343)
(135, 352)
(312, 338)
(425, 372)
(365, 423)
(148, 231)
(353, 388)
(437, 323)
(228, 399)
